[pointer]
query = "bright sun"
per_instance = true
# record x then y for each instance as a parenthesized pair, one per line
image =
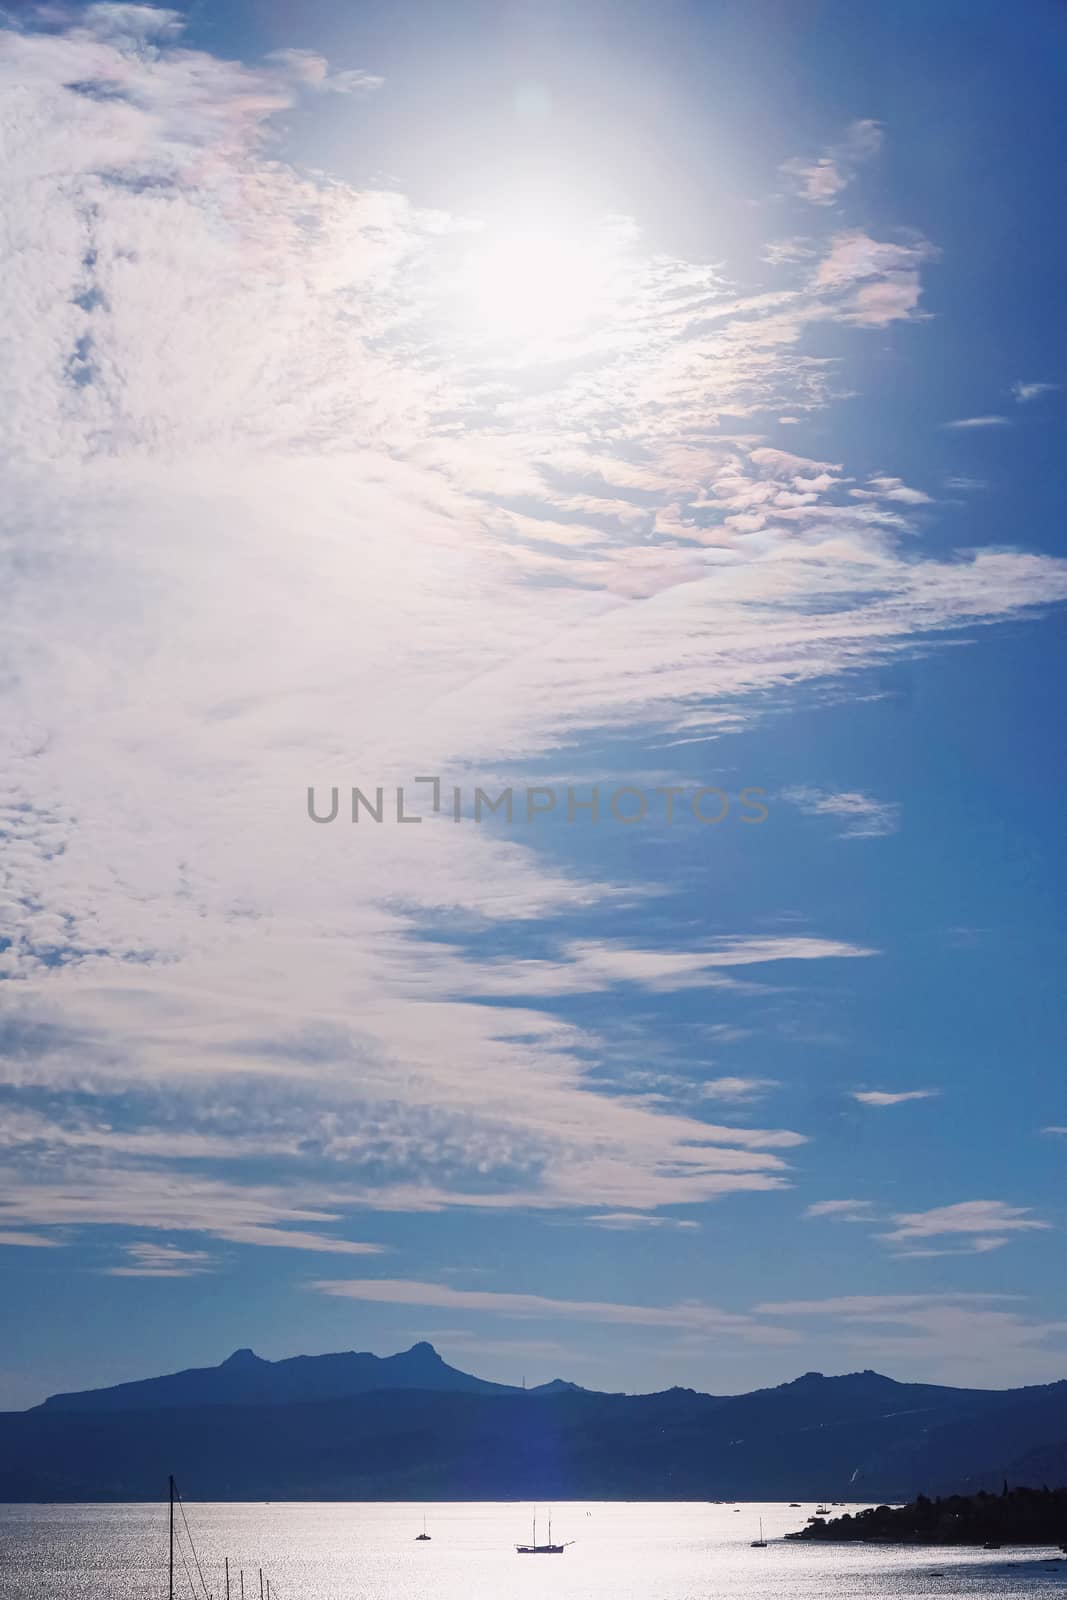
(539, 281)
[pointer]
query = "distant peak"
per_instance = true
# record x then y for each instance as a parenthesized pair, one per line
(242, 1358)
(867, 1376)
(424, 1348)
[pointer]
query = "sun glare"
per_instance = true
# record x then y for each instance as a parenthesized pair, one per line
(539, 281)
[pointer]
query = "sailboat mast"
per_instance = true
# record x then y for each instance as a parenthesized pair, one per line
(227, 1578)
(170, 1574)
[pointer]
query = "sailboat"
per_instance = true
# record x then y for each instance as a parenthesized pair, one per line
(535, 1549)
(423, 1535)
(760, 1543)
(176, 1544)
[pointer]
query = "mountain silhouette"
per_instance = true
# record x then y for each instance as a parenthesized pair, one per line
(409, 1426)
(245, 1379)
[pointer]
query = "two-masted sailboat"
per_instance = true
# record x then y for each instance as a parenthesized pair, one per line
(535, 1549)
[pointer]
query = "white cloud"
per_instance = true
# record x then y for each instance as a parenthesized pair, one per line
(820, 179)
(841, 1210)
(873, 1307)
(602, 964)
(312, 71)
(638, 1221)
(176, 1202)
(953, 1338)
(979, 422)
(877, 281)
(127, 25)
(860, 816)
(739, 1089)
(973, 1246)
(29, 1241)
(1024, 392)
(989, 1218)
(884, 1097)
(396, 1291)
(788, 251)
(148, 1260)
(228, 517)
(896, 489)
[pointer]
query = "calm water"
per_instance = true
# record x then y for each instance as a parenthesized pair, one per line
(336, 1551)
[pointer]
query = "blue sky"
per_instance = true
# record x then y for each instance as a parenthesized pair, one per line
(660, 397)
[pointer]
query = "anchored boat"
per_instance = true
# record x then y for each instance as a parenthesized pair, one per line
(535, 1549)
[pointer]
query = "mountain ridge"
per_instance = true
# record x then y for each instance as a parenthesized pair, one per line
(244, 1378)
(251, 1429)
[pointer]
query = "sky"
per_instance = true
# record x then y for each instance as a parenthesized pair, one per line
(661, 400)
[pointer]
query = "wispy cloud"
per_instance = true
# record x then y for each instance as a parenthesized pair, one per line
(312, 71)
(175, 920)
(946, 1337)
(638, 1221)
(990, 1219)
(1024, 392)
(980, 1245)
(888, 488)
(667, 970)
(149, 1260)
(736, 1089)
(119, 22)
(860, 816)
(877, 280)
(991, 421)
(873, 1307)
(397, 1291)
(821, 179)
(841, 1210)
(177, 1202)
(789, 251)
(887, 1097)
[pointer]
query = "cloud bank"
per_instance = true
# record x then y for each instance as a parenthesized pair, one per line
(284, 512)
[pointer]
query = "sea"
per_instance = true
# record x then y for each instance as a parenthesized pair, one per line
(615, 1551)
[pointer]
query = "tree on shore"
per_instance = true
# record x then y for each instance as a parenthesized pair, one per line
(1015, 1516)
